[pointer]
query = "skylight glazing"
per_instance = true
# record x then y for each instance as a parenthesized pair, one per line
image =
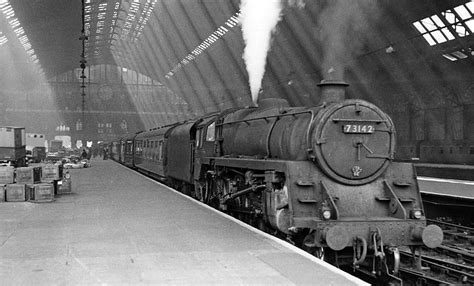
(3, 39)
(452, 23)
(144, 17)
(138, 15)
(458, 55)
(109, 21)
(132, 11)
(15, 25)
(208, 42)
(94, 25)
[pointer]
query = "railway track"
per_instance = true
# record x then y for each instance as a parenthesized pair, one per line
(435, 270)
(450, 264)
(454, 231)
(458, 242)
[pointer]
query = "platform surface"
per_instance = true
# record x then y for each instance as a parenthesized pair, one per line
(447, 187)
(118, 227)
(447, 171)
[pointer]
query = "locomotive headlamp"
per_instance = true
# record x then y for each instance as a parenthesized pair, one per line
(416, 214)
(326, 211)
(67, 176)
(326, 214)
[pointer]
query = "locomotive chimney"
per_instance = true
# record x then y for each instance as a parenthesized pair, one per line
(332, 90)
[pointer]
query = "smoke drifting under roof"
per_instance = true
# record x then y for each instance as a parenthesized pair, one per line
(343, 28)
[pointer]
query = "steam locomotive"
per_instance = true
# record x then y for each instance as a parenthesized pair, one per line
(321, 177)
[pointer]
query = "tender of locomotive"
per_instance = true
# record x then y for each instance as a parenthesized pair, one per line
(322, 177)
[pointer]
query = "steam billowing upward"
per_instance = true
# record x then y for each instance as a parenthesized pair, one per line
(258, 19)
(341, 29)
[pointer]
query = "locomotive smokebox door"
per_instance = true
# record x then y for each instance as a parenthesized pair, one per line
(353, 141)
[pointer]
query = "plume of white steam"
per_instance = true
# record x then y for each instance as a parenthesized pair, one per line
(258, 19)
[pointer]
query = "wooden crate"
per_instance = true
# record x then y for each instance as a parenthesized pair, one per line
(43, 192)
(16, 193)
(2, 193)
(64, 187)
(28, 175)
(49, 172)
(7, 175)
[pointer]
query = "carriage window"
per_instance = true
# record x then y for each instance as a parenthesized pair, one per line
(210, 132)
(160, 150)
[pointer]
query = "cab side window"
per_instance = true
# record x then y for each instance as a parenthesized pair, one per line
(198, 138)
(210, 132)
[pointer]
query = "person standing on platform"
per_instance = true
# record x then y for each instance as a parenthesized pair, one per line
(89, 154)
(84, 154)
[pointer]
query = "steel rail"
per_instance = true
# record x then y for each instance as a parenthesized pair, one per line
(462, 273)
(421, 278)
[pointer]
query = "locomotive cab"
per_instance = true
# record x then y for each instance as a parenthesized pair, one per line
(205, 137)
(205, 147)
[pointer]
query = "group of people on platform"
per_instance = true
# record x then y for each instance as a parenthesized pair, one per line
(88, 153)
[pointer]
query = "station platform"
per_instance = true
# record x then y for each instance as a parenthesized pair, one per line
(447, 199)
(119, 227)
(445, 171)
(459, 189)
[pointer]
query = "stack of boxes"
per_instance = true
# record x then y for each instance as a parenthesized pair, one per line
(6, 177)
(34, 184)
(16, 193)
(54, 174)
(27, 179)
(41, 192)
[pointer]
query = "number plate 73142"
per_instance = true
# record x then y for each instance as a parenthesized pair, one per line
(358, 128)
